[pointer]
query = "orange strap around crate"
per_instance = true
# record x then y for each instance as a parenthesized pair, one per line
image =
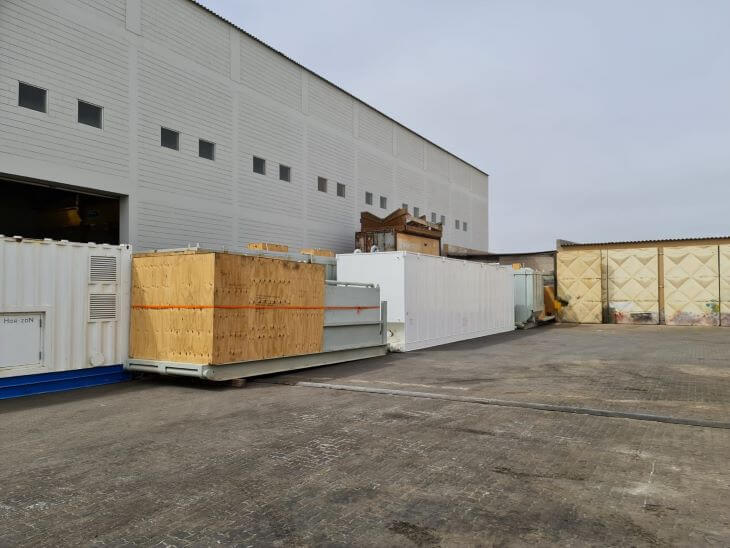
(247, 307)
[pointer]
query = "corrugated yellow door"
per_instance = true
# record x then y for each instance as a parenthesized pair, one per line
(579, 283)
(691, 285)
(725, 285)
(633, 285)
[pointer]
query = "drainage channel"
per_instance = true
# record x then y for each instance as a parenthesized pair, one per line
(519, 404)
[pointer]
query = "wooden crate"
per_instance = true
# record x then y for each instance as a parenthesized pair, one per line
(214, 308)
(417, 244)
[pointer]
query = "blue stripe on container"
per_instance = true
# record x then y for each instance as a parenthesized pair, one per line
(57, 381)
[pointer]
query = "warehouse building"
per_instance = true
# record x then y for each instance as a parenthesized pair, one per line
(160, 124)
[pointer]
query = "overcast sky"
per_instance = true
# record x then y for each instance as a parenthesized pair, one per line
(596, 120)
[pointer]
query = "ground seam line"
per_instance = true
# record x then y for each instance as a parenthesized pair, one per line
(524, 405)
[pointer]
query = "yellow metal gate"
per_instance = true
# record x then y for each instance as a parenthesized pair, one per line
(725, 285)
(632, 285)
(579, 283)
(691, 285)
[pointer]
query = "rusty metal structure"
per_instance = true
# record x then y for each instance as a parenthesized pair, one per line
(399, 231)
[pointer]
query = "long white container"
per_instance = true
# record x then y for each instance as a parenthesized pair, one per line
(435, 300)
(63, 307)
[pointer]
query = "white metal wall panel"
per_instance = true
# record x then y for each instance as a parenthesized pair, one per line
(333, 158)
(190, 103)
(460, 173)
(724, 251)
(268, 132)
(411, 188)
(374, 128)
(278, 231)
(435, 300)
(691, 285)
(633, 285)
(375, 175)
(270, 74)
(579, 283)
(163, 226)
(45, 48)
(437, 161)
(116, 9)
(330, 105)
(53, 279)
(410, 147)
(189, 31)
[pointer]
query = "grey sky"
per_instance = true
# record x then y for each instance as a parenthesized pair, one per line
(596, 120)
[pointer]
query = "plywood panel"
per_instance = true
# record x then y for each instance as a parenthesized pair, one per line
(287, 308)
(579, 283)
(725, 285)
(417, 244)
(691, 285)
(633, 285)
(215, 308)
(173, 334)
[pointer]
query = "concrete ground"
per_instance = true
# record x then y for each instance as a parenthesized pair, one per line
(181, 462)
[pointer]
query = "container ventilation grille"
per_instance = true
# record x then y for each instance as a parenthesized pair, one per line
(102, 307)
(102, 269)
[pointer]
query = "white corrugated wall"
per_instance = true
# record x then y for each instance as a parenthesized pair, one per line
(85, 317)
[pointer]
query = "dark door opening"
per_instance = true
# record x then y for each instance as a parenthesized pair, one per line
(35, 211)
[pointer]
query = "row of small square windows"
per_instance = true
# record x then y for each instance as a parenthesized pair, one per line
(416, 211)
(36, 98)
(259, 166)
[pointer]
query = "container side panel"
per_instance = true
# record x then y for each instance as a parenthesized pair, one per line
(633, 285)
(579, 283)
(180, 334)
(290, 320)
(692, 285)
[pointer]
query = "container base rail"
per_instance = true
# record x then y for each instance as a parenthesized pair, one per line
(255, 368)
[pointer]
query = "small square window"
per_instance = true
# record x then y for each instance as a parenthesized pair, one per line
(206, 149)
(443, 219)
(404, 206)
(31, 97)
(464, 225)
(457, 224)
(89, 114)
(169, 138)
(369, 198)
(416, 212)
(383, 202)
(284, 173)
(433, 217)
(259, 165)
(340, 190)
(321, 184)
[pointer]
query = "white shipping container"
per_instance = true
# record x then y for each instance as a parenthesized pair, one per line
(435, 300)
(63, 307)
(529, 296)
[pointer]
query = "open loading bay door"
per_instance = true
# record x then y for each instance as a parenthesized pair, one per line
(37, 211)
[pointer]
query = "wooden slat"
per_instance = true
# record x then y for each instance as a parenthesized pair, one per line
(266, 246)
(417, 244)
(318, 252)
